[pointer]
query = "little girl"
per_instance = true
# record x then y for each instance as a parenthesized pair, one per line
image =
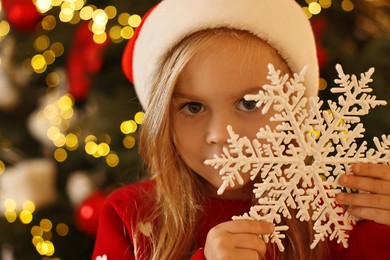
(192, 62)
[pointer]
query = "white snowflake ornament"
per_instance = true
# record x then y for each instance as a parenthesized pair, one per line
(300, 160)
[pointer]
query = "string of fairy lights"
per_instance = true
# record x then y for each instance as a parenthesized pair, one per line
(59, 113)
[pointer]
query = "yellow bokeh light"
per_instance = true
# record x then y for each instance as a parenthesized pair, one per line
(347, 5)
(65, 16)
(123, 19)
(100, 38)
(53, 79)
(90, 138)
(110, 11)
(2, 167)
(60, 155)
(129, 142)
(10, 216)
(9, 204)
(49, 56)
(25, 216)
(4, 28)
(86, 13)
(36, 231)
(96, 29)
(68, 7)
(78, 4)
(56, 2)
(325, 3)
(91, 147)
(112, 160)
(115, 33)
(128, 127)
(45, 248)
(62, 229)
(43, 5)
(57, 48)
(314, 8)
(139, 117)
(48, 22)
(316, 133)
(103, 149)
(65, 103)
(323, 84)
(29, 206)
(46, 224)
(42, 43)
(127, 32)
(67, 114)
(71, 141)
(38, 63)
(37, 239)
(59, 140)
(100, 18)
(76, 18)
(52, 131)
(134, 20)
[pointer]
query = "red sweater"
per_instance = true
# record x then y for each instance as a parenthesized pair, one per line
(368, 240)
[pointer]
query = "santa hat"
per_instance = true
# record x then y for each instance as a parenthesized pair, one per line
(281, 23)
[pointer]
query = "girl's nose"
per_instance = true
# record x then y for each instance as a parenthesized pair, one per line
(217, 131)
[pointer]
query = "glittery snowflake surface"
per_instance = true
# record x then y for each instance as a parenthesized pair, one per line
(297, 164)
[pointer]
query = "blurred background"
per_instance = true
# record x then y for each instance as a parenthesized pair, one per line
(69, 119)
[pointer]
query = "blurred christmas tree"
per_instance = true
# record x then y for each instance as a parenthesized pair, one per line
(69, 118)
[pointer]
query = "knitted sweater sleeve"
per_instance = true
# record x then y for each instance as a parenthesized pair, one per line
(112, 241)
(368, 240)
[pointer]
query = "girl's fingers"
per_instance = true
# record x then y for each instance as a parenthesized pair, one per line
(237, 239)
(380, 216)
(364, 200)
(378, 171)
(252, 242)
(248, 226)
(369, 184)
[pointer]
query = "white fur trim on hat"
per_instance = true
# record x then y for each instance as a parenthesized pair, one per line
(281, 23)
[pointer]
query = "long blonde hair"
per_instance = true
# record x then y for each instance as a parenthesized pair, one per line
(179, 191)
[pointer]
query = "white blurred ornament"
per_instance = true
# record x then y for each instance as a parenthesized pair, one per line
(29, 180)
(79, 187)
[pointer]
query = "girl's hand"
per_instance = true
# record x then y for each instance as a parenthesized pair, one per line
(237, 239)
(374, 202)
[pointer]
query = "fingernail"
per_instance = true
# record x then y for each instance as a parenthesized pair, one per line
(356, 168)
(343, 179)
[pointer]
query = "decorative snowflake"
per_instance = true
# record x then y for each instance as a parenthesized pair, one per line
(300, 160)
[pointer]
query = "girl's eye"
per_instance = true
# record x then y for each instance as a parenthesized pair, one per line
(193, 108)
(247, 105)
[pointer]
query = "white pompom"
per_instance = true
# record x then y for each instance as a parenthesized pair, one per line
(32, 180)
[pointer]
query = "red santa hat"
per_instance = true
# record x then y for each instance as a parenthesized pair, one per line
(281, 23)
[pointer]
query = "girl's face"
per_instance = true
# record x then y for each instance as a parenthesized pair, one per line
(210, 95)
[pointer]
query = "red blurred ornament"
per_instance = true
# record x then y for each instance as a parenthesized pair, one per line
(84, 60)
(319, 26)
(87, 213)
(22, 15)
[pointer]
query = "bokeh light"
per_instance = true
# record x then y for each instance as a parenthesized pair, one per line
(2, 167)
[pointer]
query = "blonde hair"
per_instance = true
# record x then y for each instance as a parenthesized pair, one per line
(179, 191)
